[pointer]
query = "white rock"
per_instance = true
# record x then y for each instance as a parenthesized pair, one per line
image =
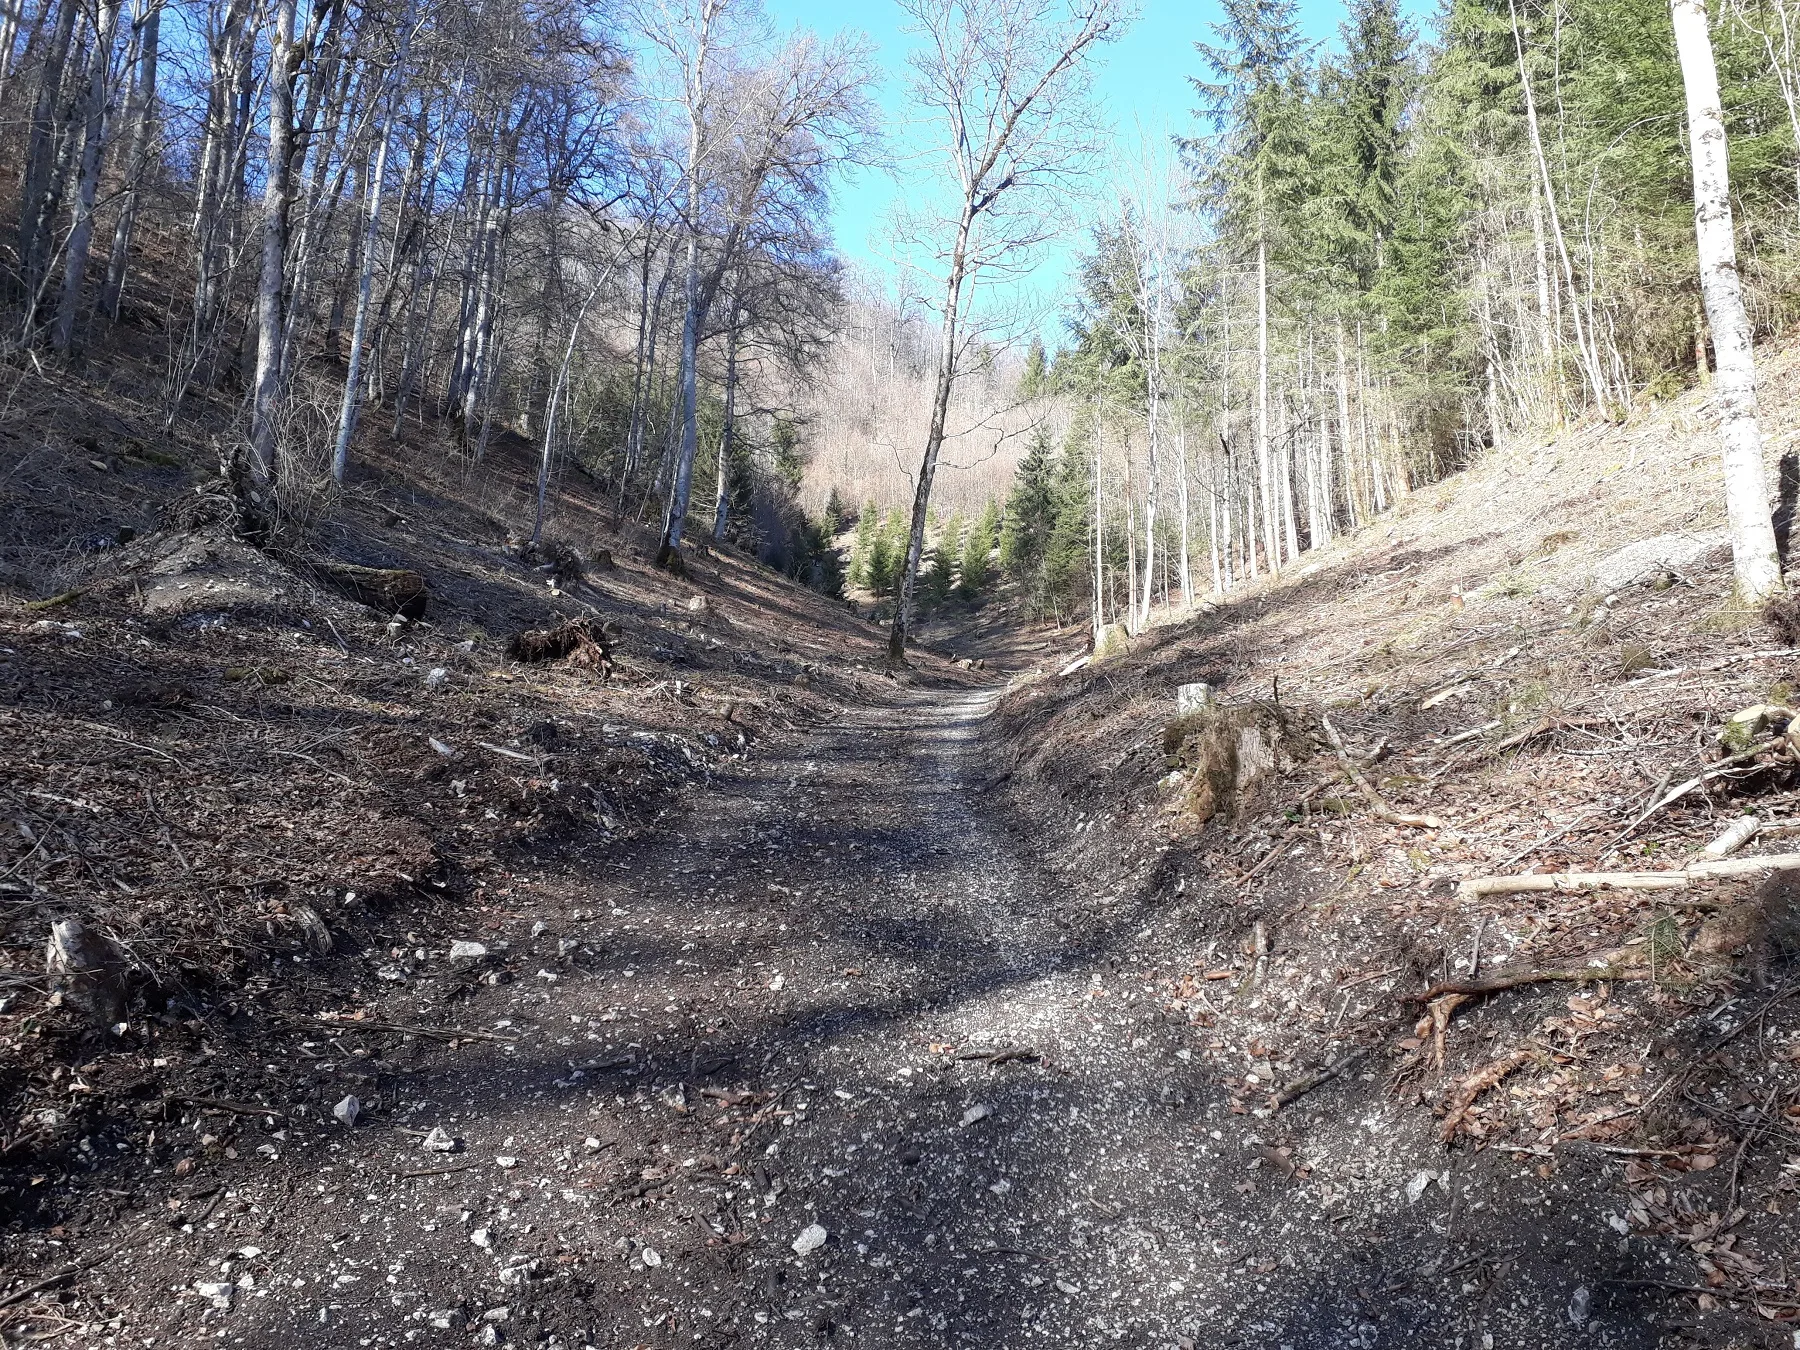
(219, 1293)
(347, 1110)
(812, 1237)
(1416, 1187)
(1578, 1306)
(979, 1111)
(465, 953)
(507, 1162)
(439, 746)
(435, 677)
(1649, 558)
(496, 1314)
(438, 1141)
(651, 1256)
(482, 1239)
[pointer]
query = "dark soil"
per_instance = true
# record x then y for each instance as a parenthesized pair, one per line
(836, 990)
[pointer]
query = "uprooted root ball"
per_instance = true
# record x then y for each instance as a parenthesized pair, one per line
(583, 642)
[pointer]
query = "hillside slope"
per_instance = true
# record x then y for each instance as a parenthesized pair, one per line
(1529, 661)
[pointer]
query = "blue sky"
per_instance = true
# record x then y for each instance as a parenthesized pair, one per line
(1142, 82)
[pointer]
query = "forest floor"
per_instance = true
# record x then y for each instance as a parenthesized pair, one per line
(809, 1002)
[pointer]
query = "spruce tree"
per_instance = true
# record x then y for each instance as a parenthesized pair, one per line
(978, 543)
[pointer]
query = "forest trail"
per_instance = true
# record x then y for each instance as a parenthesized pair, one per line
(839, 992)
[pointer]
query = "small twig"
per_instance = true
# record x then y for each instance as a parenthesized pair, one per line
(1295, 1091)
(1550, 838)
(1267, 858)
(338, 1024)
(1372, 975)
(436, 1171)
(62, 1276)
(232, 1108)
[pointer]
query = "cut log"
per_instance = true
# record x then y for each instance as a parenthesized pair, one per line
(389, 590)
(582, 642)
(1675, 880)
(1735, 835)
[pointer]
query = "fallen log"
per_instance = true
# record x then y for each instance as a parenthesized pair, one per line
(1674, 880)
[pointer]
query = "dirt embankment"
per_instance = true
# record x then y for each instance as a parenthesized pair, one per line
(270, 803)
(1532, 663)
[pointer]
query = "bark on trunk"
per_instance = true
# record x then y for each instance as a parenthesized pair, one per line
(352, 405)
(143, 119)
(93, 140)
(265, 407)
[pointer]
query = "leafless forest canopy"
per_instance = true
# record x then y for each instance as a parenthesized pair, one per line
(604, 231)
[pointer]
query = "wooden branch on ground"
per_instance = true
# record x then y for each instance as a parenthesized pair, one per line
(1269, 857)
(1500, 983)
(1770, 655)
(337, 1024)
(1544, 728)
(1300, 1087)
(61, 1277)
(230, 1108)
(1381, 806)
(1468, 735)
(1679, 879)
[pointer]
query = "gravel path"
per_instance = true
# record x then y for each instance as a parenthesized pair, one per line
(832, 1060)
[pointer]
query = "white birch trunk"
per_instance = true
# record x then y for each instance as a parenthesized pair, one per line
(1755, 562)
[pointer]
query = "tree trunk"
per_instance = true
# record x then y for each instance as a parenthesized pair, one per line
(143, 119)
(1590, 361)
(347, 414)
(37, 212)
(266, 396)
(1757, 568)
(934, 435)
(1182, 505)
(1099, 605)
(721, 500)
(1151, 486)
(688, 394)
(93, 141)
(1262, 406)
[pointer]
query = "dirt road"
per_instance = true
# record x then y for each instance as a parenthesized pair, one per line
(835, 1059)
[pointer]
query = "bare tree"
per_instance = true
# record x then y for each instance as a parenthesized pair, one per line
(763, 132)
(1754, 556)
(1005, 83)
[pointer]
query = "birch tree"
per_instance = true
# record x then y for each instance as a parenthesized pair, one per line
(1755, 562)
